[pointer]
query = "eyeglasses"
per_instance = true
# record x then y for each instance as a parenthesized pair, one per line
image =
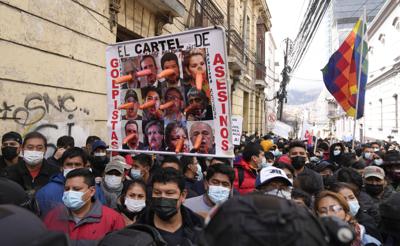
(333, 208)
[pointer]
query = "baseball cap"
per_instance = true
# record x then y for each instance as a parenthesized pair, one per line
(99, 144)
(322, 165)
(12, 136)
(268, 173)
(117, 164)
(374, 171)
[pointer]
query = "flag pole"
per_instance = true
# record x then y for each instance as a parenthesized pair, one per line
(359, 74)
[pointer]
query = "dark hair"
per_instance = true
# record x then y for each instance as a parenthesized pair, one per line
(145, 57)
(143, 159)
(300, 194)
(91, 139)
(193, 92)
(34, 135)
(222, 169)
(186, 161)
(87, 175)
(131, 93)
(323, 145)
(226, 161)
(282, 165)
(152, 123)
(173, 159)
(250, 150)
(131, 122)
(295, 144)
(360, 164)
(170, 127)
(173, 89)
(349, 175)
(269, 156)
(336, 187)
(65, 142)
(308, 183)
(166, 175)
(129, 184)
(74, 152)
(148, 89)
(169, 56)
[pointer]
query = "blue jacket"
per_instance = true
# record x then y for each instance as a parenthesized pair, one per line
(50, 195)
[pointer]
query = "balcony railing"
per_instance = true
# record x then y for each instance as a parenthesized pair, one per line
(237, 44)
(213, 13)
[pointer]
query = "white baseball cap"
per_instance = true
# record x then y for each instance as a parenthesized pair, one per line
(268, 173)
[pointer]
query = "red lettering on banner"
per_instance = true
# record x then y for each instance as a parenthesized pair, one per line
(221, 85)
(114, 145)
(219, 72)
(114, 136)
(114, 63)
(114, 85)
(113, 123)
(115, 104)
(114, 93)
(222, 98)
(218, 59)
(115, 115)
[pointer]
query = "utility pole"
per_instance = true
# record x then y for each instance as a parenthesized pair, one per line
(281, 95)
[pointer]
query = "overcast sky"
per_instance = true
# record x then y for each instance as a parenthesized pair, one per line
(287, 16)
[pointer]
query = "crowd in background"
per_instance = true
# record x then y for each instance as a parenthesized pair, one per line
(275, 191)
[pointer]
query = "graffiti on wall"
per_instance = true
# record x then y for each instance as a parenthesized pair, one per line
(53, 116)
(36, 106)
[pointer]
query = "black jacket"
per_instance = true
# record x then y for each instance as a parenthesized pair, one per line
(369, 223)
(3, 166)
(20, 174)
(190, 223)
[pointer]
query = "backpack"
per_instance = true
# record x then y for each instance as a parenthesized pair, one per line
(240, 175)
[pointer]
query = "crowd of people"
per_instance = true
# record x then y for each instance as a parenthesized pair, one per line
(275, 191)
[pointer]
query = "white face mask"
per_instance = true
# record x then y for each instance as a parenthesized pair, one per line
(66, 171)
(33, 157)
(280, 193)
(218, 194)
(113, 181)
(368, 155)
(378, 162)
(199, 173)
(263, 163)
(135, 173)
(336, 152)
(354, 207)
(134, 205)
(376, 149)
(99, 154)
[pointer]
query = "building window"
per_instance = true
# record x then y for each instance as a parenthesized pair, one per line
(371, 50)
(396, 23)
(381, 114)
(396, 111)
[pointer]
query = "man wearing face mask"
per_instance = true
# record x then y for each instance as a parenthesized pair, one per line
(112, 182)
(336, 152)
(298, 156)
(376, 185)
(175, 222)
(368, 154)
(99, 158)
(140, 168)
(218, 185)
(273, 181)
(50, 195)
(10, 149)
(82, 217)
(391, 165)
(33, 172)
(247, 169)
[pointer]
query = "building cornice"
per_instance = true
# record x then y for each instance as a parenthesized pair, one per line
(393, 71)
(382, 15)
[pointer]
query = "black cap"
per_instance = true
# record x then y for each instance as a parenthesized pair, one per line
(31, 229)
(322, 165)
(12, 136)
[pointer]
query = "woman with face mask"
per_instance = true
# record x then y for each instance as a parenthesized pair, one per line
(351, 193)
(132, 202)
(328, 203)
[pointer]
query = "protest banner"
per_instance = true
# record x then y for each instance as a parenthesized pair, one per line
(170, 94)
(237, 123)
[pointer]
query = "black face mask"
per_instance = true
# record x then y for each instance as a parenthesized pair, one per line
(99, 162)
(329, 180)
(9, 152)
(164, 208)
(373, 190)
(298, 162)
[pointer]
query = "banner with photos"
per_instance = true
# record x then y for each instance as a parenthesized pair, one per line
(170, 94)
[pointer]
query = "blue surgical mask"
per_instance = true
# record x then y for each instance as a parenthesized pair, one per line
(73, 199)
(218, 194)
(276, 153)
(378, 162)
(354, 207)
(367, 155)
(136, 174)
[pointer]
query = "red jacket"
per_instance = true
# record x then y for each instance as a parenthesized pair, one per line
(249, 177)
(89, 230)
